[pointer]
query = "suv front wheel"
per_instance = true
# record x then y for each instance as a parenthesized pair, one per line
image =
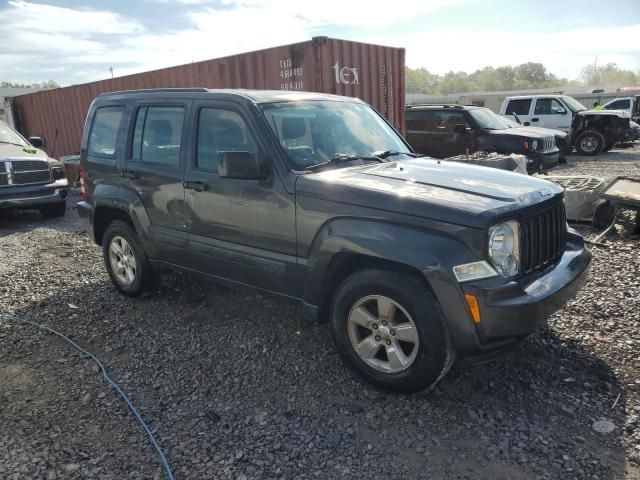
(590, 142)
(389, 329)
(125, 259)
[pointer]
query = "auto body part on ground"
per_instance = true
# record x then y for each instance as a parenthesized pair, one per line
(581, 194)
(622, 193)
(512, 163)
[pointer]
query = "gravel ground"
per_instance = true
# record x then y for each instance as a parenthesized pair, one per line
(237, 386)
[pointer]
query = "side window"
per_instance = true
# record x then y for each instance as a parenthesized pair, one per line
(221, 131)
(419, 121)
(157, 135)
(619, 105)
(519, 107)
(104, 132)
(547, 106)
(446, 120)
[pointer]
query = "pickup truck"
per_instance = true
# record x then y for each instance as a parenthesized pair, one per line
(590, 131)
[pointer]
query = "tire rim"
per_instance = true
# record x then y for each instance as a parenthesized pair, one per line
(123, 261)
(383, 334)
(589, 144)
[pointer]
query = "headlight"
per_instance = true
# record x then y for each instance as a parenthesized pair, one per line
(504, 247)
(58, 173)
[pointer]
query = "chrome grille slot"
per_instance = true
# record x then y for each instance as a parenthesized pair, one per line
(24, 172)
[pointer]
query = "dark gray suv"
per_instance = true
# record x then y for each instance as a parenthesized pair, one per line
(316, 198)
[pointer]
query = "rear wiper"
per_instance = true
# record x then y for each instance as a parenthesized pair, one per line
(343, 158)
(391, 153)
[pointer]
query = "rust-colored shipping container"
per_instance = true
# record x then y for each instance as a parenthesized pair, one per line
(371, 72)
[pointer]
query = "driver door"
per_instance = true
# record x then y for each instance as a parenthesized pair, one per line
(239, 229)
(551, 113)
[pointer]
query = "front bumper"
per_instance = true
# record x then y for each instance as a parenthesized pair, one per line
(542, 161)
(512, 311)
(34, 196)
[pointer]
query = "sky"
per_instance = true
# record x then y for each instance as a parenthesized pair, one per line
(76, 41)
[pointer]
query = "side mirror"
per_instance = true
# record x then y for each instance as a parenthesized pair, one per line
(561, 111)
(460, 128)
(37, 142)
(242, 165)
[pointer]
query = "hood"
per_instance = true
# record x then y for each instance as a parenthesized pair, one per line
(545, 132)
(612, 113)
(8, 150)
(524, 132)
(446, 191)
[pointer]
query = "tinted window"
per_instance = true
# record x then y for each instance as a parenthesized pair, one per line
(221, 131)
(157, 135)
(104, 131)
(519, 107)
(619, 105)
(419, 121)
(548, 106)
(445, 120)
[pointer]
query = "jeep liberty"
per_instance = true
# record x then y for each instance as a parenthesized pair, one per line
(316, 198)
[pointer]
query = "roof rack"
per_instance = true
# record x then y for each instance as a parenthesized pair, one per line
(444, 105)
(157, 90)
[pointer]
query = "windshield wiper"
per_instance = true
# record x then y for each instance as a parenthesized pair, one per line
(391, 153)
(343, 158)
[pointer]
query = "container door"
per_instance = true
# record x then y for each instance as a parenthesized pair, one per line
(154, 169)
(551, 113)
(241, 230)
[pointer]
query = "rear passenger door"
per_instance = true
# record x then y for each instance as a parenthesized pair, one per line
(154, 169)
(551, 113)
(418, 128)
(239, 229)
(521, 107)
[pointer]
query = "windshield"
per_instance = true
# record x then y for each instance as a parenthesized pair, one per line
(315, 132)
(573, 104)
(487, 120)
(8, 135)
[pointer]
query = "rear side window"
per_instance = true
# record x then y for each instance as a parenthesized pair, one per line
(104, 132)
(619, 105)
(419, 120)
(547, 106)
(446, 120)
(157, 135)
(519, 107)
(221, 131)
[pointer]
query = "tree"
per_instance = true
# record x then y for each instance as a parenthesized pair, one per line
(45, 84)
(608, 74)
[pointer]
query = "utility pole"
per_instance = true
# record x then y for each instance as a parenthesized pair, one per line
(111, 70)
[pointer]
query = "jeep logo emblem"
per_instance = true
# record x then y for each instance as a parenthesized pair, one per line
(346, 75)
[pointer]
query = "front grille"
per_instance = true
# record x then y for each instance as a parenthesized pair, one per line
(24, 172)
(543, 237)
(546, 144)
(29, 165)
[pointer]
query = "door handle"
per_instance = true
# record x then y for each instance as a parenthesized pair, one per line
(535, 119)
(129, 174)
(197, 186)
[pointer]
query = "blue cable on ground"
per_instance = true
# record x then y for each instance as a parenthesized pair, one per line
(163, 458)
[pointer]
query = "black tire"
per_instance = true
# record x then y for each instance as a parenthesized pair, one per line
(590, 142)
(603, 214)
(144, 278)
(53, 210)
(435, 353)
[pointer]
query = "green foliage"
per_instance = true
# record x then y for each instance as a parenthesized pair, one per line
(608, 74)
(46, 84)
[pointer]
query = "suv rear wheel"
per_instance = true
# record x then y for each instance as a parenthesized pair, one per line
(389, 329)
(125, 259)
(590, 142)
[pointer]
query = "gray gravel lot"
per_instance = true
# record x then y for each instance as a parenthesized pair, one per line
(237, 386)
